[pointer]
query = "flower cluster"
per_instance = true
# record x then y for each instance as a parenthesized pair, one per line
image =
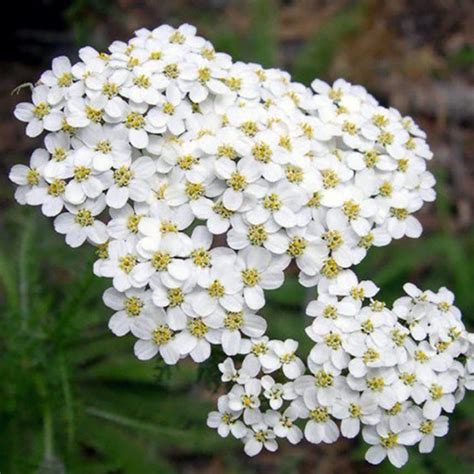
(200, 180)
(388, 373)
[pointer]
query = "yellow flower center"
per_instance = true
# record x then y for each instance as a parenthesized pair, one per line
(135, 120)
(330, 178)
(354, 410)
(133, 306)
(330, 312)
(333, 341)
(399, 213)
(175, 297)
(142, 81)
(350, 127)
(351, 209)
(257, 234)
(104, 146)
(226, 151)
(234, 320)
(168, 108)
(376, 384)
(84, 218)
(65, 80)
(33, 177)
(389, 441)
(385, 138)
(81, 173)
(250, 277)
(237, 181)
(132, 222)
(366, 241)
(323, 379)
(102, 251)
(436, 391)
(319, 415)
(407, 378)
(222, 211)
(162, 335)
(122, 176)
(426, 427)
(204, 74)
(272, 202)
(160, 261)
(194, 190)
(367, 327)
(297, 246)
(371, 158)
(171, 71)
(177, 38)
(262, 152)
(110, 89)
(186, 162)
(233, 83)
(315, 200)
(168, 227)
(127, 263)
(94, 115)
(370, 355)
(41, 110)
(216, 289)
(357, 293)
(201, 257)
(249, 128)
(330, 268)
(56, 187)
(198, 328)
(386, 189)
(59, 154)
(333, 239)
(379, 120)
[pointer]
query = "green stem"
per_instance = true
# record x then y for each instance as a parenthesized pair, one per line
(23, 275)
(136, 424)
(48, 431)
(48, 444)
(68, 404)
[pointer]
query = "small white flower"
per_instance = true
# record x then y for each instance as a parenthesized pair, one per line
(248, 370)
(429, 429)
(320, 428)
(246, 398)
(354, 410)
(29, 178)
(129, 306)
(259, 437)
(259, 271)
(80, 224)
(283, 424)
(226, 420)
(130, 182)
(387, 443)
(276, 393)
(283, 354)
(155, 336)
(41, 114)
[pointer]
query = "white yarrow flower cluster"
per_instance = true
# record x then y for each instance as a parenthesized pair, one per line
(159, 145)
(390, 374)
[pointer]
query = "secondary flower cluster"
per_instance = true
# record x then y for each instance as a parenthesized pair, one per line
(200, 180)
(388, 373)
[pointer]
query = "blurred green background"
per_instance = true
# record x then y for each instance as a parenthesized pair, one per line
(72, 396)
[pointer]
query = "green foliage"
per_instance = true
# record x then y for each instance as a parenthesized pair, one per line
(259, 43)
(73, 396)
(317, 54)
